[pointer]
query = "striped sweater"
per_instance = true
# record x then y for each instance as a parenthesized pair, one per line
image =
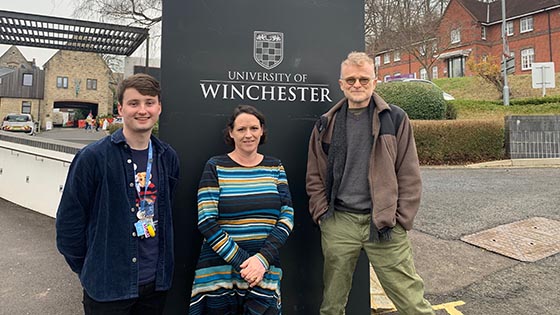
(242, 211)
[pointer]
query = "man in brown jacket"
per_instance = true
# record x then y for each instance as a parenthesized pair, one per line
(363, 181)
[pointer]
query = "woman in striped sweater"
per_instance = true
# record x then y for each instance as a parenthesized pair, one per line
(245, 215)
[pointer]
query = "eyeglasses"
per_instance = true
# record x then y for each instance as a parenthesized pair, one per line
(352, 81)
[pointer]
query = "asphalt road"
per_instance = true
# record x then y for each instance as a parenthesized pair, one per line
(456, 202)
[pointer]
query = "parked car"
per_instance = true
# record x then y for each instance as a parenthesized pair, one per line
(18, 122)
(446, 96)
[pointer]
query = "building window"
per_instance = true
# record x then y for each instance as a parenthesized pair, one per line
(423, 74)
(456, 67)
(62, 82)
(386, 58)
(509, 28)
(434, 72)
(397, 56)
(26, 107)
(526, 24)
(455, 36)
(386, 78)
(483, 32)
(28, 79)
(91, 84)
(527, 57)
(377, 60)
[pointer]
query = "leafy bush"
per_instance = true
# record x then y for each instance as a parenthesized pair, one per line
(451, 111)
(418, 100)
(459, 141)
(114, 127)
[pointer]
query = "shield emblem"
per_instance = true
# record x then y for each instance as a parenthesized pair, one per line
(268, 48)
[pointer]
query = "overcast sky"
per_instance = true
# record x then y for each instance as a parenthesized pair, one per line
(58, 8)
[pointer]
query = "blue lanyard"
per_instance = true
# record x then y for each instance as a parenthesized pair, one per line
(148, 174)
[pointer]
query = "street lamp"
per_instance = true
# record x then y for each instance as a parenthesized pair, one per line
(505, 51)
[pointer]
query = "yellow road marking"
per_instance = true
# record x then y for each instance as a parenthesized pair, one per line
(449, 307)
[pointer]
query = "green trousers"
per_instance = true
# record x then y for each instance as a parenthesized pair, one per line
(342, 237)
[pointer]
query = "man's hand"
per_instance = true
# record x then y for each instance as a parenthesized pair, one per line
(252, 270)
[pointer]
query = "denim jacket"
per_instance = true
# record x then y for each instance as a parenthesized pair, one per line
(96, 216)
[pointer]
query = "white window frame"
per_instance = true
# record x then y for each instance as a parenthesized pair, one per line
(455, 36)
(386, 77)
(397, 56)
(423, 74)
(509, 28)
(526, 24)
(377, 60)
(483, 32)
(434, 72)
(386, 58)
(527, 58)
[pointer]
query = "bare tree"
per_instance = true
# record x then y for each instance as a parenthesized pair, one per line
(145, 13)
(411, 26)
(140, 13)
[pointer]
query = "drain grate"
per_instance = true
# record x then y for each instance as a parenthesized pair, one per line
(527, 240)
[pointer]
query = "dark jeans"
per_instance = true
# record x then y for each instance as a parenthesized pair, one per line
(149, 302)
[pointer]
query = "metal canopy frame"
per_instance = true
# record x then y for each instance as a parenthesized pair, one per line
(67, 34)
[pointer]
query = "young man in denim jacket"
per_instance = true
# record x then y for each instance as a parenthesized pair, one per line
(113, 223)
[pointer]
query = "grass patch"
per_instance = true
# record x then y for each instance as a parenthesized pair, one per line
(474, 88)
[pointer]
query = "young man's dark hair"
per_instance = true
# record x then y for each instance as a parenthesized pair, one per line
(143, 83)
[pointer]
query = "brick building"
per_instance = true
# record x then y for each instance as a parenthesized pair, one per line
(76, 79)
(70, 79)
(472, 29)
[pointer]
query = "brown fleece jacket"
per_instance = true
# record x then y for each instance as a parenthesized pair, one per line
(394, 171)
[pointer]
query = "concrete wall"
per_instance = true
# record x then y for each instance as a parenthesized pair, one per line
(33, 177)
(532, 136)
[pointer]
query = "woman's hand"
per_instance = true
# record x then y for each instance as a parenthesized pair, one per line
(252, 270)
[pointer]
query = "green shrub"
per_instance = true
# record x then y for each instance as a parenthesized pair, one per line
(450, 111)
(419, 101)
(114, 127)
(459, 141)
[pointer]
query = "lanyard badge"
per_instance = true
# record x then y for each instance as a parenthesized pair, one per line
(146, 226)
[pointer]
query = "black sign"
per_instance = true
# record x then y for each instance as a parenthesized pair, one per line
(282, 57)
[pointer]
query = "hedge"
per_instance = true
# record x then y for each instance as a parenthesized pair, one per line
(418, 100)
(459, 141)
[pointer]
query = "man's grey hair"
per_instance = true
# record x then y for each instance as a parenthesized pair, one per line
(357, 58)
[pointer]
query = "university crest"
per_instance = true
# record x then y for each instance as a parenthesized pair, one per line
(268, 48)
